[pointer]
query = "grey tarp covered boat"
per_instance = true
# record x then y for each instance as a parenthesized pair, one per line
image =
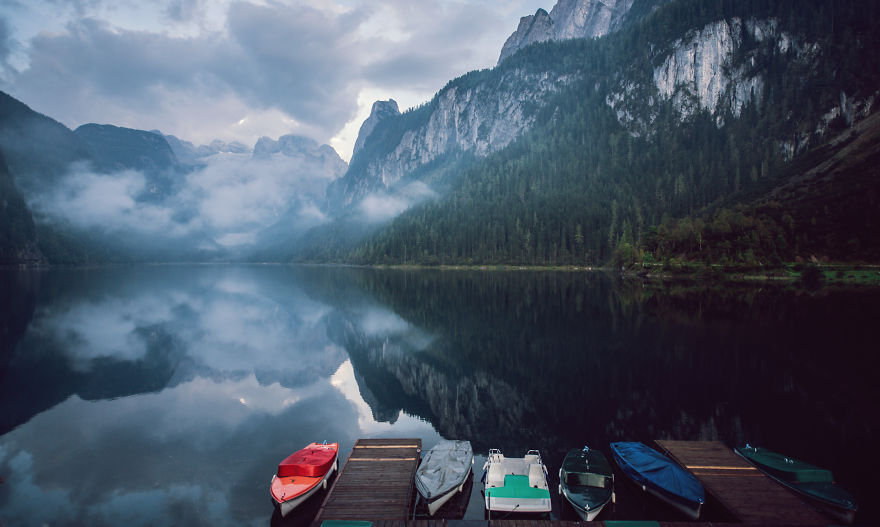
(443, 471)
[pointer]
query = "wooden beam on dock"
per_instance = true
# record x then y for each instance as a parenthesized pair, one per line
(747, 494)
(376, 482)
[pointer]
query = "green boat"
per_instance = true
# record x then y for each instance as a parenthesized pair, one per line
(809, 480)
(586, 481)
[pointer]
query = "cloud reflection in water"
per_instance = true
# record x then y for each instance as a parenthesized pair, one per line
(254, 377)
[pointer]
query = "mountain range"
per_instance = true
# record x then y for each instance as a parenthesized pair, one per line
(103, 193)
(615, 130)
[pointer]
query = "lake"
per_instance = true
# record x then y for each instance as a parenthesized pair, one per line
(160, 395)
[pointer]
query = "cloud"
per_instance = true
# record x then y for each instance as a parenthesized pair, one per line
(301, 59)
(225, 320)
(254, 354)
(110, 202)
(119, 333)
(380, 206)
(229, 201)
(294, 59)
(195, 69)
(5, 39)
(183, 10)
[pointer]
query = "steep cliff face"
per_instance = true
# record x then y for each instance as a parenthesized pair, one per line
(569, 19)
(476, 114)
(380, 111)
(473, 117)
(712, 69)
(700, 74)
(716, 69)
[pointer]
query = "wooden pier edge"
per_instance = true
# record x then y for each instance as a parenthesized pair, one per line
(746, 493)
(375, 483)
(548, 523)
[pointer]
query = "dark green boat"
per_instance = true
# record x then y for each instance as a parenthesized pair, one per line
(809, 480)
(586, 481)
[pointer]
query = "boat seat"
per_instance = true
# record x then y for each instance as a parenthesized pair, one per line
(536, 475)
(495, 477)
(530, 458)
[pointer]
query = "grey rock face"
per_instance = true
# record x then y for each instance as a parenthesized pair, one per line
(380, 110)
(568, 19)
(531, 29)
(588, 18)
(698, 73)
(478, 119)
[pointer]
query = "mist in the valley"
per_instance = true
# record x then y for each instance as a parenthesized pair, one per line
(229, 206)
(384, 206)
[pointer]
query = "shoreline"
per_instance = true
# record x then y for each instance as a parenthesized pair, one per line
(834, 273)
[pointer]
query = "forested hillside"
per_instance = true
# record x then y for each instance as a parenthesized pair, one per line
(610, 159)
(37, 152)
(17, 233)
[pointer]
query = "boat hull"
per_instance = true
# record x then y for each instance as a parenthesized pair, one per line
(516, 484)
(586, 481)
(443, 472)
(689, 509)
(434, 506)
(813, 491)
(302, 474)
(586, 515)
(517, 504)
(656, 474)
(286, 506)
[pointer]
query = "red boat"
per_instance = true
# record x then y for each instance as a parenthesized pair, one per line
(302, 474)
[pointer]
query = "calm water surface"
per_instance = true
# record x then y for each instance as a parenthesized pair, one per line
(167, 395)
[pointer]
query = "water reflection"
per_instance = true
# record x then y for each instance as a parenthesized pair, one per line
(166, 395)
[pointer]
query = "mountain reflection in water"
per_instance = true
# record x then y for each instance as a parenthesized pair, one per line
(168, 394)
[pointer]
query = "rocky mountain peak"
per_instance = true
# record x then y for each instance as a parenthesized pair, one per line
(304, 148)
(380, 110)
(289, 145)
(589, 18)
(188, 153)
(531, 29)
(569, 19)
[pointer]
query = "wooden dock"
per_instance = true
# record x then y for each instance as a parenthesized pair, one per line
(376, 483)
(538, 523)
(745, 492)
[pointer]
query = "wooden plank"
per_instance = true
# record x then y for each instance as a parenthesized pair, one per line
(748, 495)
(375, 484)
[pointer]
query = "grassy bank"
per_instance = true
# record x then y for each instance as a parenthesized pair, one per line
(813, 274)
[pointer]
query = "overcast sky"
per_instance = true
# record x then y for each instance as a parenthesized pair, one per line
(230, 70)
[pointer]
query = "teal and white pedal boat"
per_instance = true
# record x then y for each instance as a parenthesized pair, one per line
(586, 481)
(516, 484)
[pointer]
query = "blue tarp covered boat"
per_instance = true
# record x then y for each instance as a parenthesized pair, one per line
(660, 476)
